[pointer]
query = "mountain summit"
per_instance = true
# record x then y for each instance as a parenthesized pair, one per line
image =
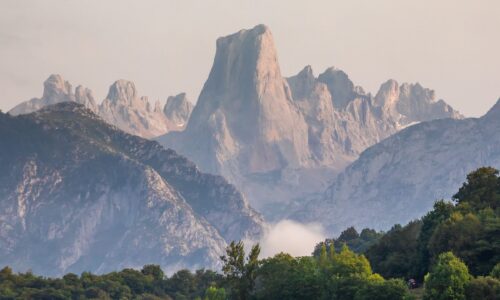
(279, 139)
(122, 107)
(244, 118)
(56, 90)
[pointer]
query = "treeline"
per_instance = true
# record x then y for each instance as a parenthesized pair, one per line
(467, 228)
(333, 275)
(454, 251)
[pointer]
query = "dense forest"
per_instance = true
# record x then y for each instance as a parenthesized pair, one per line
(453, 252)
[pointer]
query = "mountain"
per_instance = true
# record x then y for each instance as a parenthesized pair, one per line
(399, 179)
(178, 109)
(279, 139)
(123, 107)
(344, 120)
(77, 194)
(56, 90)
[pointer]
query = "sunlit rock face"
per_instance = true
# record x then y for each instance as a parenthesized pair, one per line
(279, 139)
(245, 118)
(123, 107)
(77, 194)
(399, 179)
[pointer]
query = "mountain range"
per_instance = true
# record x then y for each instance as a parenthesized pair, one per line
(279, 139)
(122, 107)
(89, 188)
(400, 178)
(80, 195)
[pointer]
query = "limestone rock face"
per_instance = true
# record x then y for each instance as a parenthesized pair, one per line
(279, 139)
(245, 121)
(178, 109)
(85, 97)
(410, 103)
(399, 179)
(357, 120)
(79, 195)
(56, 90)
(123, 107)
(126, 110)
(340, 86)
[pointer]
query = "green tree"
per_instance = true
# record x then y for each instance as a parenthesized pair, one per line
(348, 235)
(392, 289)
(495, 272)
(440, 213)
(239, 272)
(182, 284)
(323, 257)
(153, 270)
(213, 293)
(395, 254)
(346, 263)
(483, 288)
(481, 190)
(448, 279)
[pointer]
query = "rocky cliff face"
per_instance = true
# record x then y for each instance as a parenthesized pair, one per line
(56, 90)
(79, 195)
(412, 103)
(279, 139)
(123, 107)
(244, 120)
(178, 109)
(400, 178)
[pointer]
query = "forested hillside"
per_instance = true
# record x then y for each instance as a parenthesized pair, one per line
(453, 252)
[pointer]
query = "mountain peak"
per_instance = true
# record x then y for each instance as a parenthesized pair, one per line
(494, 112)
(122, 91)
(55, 85)
(388, 93)
(340, 86)
(244, 59)
(246, 109)
(307, 72)
(178, 109)
(302, 84)
(257, 30)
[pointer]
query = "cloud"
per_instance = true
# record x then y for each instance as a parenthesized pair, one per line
(291, 237)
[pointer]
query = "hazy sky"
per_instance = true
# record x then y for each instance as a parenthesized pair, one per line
(167, 47)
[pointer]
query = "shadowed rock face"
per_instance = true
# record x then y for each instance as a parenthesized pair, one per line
(280, 139)
(123, 107)
(400, 178)
(79, 195)
(178, 109)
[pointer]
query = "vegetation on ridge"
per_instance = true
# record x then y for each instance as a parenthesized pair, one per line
(454, 250)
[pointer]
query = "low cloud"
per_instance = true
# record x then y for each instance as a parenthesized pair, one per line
(291, 237)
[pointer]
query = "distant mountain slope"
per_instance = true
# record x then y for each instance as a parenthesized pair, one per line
(77, 194)
(279, 139)
(122, 107)
(399, 178)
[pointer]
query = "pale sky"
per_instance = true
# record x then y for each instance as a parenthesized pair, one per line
(167, 47)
